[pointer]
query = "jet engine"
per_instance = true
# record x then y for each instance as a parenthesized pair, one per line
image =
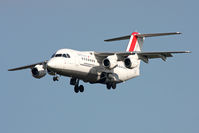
(107, 77)
(38, 71)
(110, 62)
(103, 77)
(131, 62)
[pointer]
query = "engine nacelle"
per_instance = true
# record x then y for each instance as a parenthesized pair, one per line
(131, 61)
(110, 62)
(103, 77)
(38, 71)
(106, 77)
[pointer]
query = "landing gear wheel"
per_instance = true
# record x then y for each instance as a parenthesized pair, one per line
(76, 89)
(81, 88)
(113, 85)
(56, 78)
(108, 86)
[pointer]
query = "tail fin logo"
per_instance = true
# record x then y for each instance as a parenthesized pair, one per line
(132, 42)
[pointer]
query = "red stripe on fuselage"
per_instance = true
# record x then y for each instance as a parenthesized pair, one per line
(133, 43)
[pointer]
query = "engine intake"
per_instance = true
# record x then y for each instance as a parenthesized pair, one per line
(131, 62)
(103, 77)
(110, 62)
(38, 71)
(107, 77)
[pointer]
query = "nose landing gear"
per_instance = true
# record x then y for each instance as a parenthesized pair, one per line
(55, 78)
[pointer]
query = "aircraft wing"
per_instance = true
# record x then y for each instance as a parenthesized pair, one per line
(27, 66)
(144, 56)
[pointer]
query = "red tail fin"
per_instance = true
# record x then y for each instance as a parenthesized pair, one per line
(135, 43)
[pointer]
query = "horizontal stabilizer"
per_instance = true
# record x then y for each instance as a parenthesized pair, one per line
(142, 35)
(157, 34)
(118, 38)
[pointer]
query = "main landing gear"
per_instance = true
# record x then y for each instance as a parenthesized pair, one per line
(111, 85)
(77, 88)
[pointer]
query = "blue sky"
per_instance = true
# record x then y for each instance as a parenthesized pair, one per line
(163, 99)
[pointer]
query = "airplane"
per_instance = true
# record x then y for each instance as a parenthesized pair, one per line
(109, 68)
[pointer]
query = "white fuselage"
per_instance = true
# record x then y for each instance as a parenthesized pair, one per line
(107, 68)
(85, 66)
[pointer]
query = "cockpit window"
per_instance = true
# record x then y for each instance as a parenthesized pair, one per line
(58, 55)
(61, 55)
(64, 55)
(53, 56)
(68, 55)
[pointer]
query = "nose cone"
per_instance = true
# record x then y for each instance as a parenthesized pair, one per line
(55, 64)
(51, 64)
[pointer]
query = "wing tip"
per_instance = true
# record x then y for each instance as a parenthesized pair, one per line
(12, 69)
(178, 32)
(188, 52)
(107, 40)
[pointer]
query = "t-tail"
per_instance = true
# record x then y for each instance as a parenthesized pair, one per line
(135, 43)
(136, 40)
